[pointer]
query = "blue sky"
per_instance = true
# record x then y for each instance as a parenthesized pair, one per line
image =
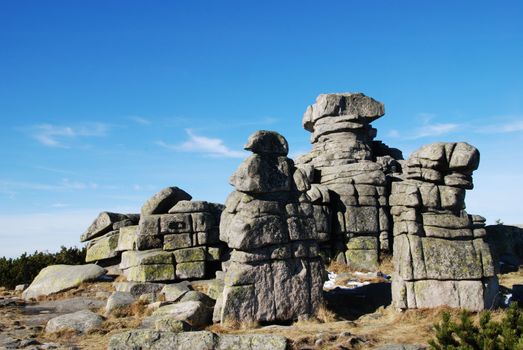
(103, 103)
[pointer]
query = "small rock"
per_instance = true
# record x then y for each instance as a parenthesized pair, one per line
(118, 300)
(81, 322)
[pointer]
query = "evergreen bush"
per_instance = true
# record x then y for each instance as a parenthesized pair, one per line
(488, 335)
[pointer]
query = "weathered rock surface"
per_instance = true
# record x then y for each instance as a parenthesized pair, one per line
(57, 278)
(81, 322)
(204, 340)
(164, 200)
(275, 271)
(195, 313)
(440, 253)
(107, 221)
(118, 300)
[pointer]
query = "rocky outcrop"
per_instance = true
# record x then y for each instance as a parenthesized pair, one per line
(176, 239)
(274, 272)
(440, 253)
(173, 238)
(57, 278)
(353, 168)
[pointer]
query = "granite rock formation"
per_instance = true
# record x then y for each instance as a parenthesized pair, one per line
(440, 253)
(352, 168)
(275, 272)
(176, 239)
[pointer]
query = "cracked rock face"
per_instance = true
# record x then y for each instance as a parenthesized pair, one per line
(440, 255)
(274, 272)
(353, 169)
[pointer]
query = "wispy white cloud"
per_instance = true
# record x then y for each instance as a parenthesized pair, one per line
(63, 185)
(507, 127)
(393, 133)
(212, 147)
(140, 120)
(51, 135)
(438, 129)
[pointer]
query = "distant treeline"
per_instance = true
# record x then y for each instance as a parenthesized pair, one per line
(25, 268)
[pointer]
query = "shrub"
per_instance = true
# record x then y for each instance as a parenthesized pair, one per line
(25, 268)
(488, 335)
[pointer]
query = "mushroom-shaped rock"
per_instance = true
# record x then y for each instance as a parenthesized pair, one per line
(267, 142)
(164, 200)
(359, 107)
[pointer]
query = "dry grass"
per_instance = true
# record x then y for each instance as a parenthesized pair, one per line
(137, 309)
(509, 279)
(338, 268)
(324, 315)
(386, 264)
(120, 278)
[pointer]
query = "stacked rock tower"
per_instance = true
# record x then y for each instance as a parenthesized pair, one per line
(274, 272)
(440, 255)
(353, 167)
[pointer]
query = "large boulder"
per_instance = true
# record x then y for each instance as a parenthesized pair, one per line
(164, 200)
(81, 322)
(57, 278)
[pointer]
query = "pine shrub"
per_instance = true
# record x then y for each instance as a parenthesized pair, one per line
(488, 335)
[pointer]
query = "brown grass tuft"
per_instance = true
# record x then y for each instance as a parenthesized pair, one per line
(386, 264)
(137, 309)
(324, 315)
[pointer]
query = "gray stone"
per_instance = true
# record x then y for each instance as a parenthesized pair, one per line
(148, 257)
(195, 313)
(357, 105)
(267, 142)
(103, 248)
(177, 241)
(174, 292)
(101, 225)
(118, 300)
(164, 200)
(187, 206)
(136, 288)
(127, 238)
(81, 322)
(57, 278)
(263, 174)
(151, 273)
(189, 270)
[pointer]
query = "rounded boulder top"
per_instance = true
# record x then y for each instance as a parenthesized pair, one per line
(361, 107)
(267, 142)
